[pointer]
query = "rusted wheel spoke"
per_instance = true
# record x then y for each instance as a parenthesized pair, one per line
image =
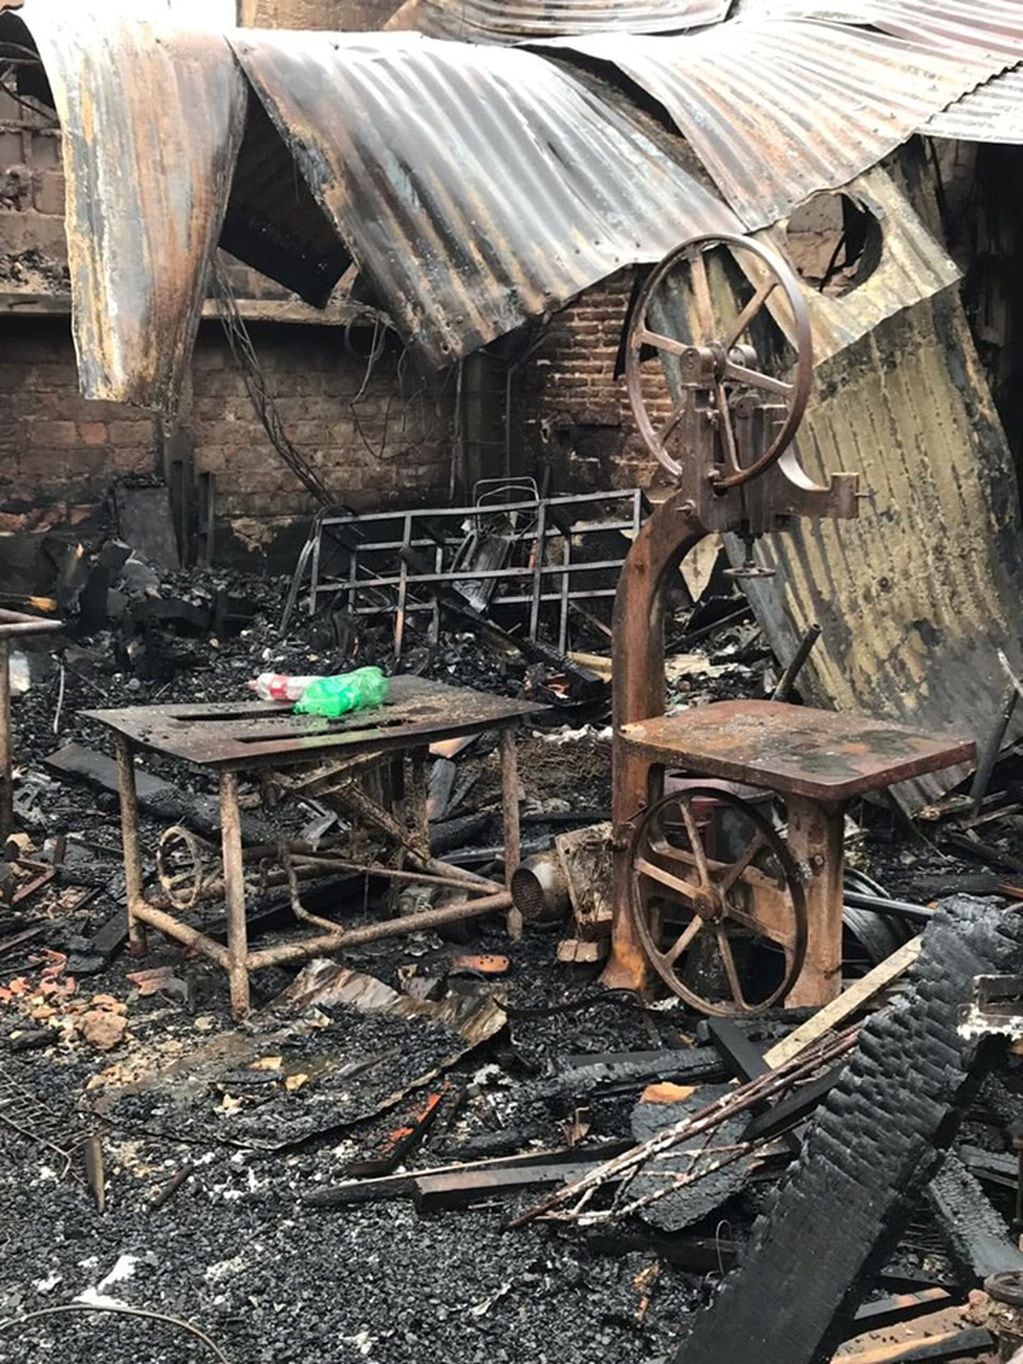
(761, 926)
(684, 888)
(701, 294)
(662, 342)
(742, 322)
(753, 377)
(728, 877)
(695, 841)
(684, 939)
(731, 971)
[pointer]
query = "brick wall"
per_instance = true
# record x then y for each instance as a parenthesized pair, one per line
(577, 414)
(372, 442)
(58, 453)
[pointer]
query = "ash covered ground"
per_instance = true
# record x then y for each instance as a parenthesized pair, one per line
(236, 1248)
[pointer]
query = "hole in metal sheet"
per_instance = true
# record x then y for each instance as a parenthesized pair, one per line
(834, 242)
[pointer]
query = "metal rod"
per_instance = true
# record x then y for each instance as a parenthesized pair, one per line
(130, 843)
(459, 882)
(991, 750)
(387, 928)
(788, 678)
(6, 760)
(511, 828)
(234, 893)
(171, 927)
(882, 905)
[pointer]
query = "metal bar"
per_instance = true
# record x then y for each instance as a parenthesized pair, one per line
(130, 843)
(234, 893)
(6, 759)
(788, 678)
(567, 568)
(388, 928)
(992, 748)
(171, 927)
(459, 881)
(403, 580)
(30, 627)
(529, 504)
(538, 550)
(486, 574)
(511, 829)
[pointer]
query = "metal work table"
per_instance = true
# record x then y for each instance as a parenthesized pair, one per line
(311, 756)
(816, 761)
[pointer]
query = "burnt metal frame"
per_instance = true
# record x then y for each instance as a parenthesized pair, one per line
(482, 896)
(417, 535)
(13, 625)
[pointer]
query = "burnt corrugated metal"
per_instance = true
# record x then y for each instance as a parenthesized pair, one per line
(475, 186)
(994, 113)
(778, 108)
(911, 267)
(508, 21)
(916, 596)
(151, 120)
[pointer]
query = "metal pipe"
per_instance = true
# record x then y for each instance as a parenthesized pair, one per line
(234, 893)
(173, 928)
(992, 748)
(510, 828)
(30, 627)
(387, 928)
(130, 842)
(788, 678)
(882, 905)
(6, 760)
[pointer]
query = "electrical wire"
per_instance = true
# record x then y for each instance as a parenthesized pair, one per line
(120, 1309)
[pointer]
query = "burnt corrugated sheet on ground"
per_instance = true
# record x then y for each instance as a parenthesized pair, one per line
(778, 108)
(146, 191)
(507, 21)
(475, 186)
(874, 1142)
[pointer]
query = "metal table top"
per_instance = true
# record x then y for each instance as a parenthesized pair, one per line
(227, 734)
(795, 750)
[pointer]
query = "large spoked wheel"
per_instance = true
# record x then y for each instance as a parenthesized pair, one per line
(728, 892)
(717, 360)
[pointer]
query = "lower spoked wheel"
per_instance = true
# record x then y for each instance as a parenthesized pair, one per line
(712, 883)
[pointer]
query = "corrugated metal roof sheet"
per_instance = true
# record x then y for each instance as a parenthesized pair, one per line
(916, 596)
(475, 186)
(912, 267)
(145, 191)
(777, 108)
(508, 21)
(994, 113)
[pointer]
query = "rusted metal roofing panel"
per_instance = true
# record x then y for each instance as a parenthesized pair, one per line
(475, 186)
(951, 25)
(508, 21)
(916, 596)
(151, 120)
(912, 266)
(778, 108)
(994, 113)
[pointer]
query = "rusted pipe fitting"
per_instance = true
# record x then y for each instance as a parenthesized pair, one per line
(539, 889)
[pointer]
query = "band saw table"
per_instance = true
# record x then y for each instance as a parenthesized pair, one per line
(336, 761)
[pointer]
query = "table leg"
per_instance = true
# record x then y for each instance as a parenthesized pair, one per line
(6, 760)
(816, 836)
(234, 894)
(130, 843)
(510, 821)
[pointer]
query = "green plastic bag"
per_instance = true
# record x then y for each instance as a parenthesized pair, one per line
(334, 696)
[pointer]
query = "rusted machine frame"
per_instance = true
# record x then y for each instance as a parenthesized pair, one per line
(13, 625)
(236, 958)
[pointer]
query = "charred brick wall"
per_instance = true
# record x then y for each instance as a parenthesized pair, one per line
(58, 453)
(576, 414)
(372, 440)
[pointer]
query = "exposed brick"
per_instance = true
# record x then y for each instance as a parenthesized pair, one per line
(93, 433)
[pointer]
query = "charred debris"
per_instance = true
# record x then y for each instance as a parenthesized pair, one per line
(638, 973)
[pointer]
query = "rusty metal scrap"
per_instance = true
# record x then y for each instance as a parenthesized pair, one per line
(495, 21)
(779, 108)
(146, 187)
(476, 186)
